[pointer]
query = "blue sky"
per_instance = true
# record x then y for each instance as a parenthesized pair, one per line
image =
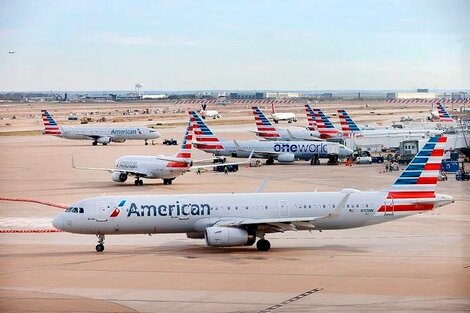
(198, 45)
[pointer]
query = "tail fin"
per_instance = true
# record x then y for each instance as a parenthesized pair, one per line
(263, 125)
(444, 116)
(205, 139)
(322, 122)
(50, 125)
(185, 150)
(203, 107)
(347, 123)
(312, 125)
(415, 189)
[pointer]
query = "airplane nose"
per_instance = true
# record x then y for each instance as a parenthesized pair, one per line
(57, 222)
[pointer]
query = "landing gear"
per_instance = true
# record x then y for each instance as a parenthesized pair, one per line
(95, 143)
(138, 182)
(105, 143)
(168, 181)
(315, 160)
(270, 161)
(263, 245)
(146, 143)
(100, 246)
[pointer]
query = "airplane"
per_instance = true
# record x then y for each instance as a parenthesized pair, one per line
(320, 121)
(282, 151)
(266, 130)
(238, 219)
(102, 135)
(444, 116)
(208, 113)
(156, 167)
(282, 116)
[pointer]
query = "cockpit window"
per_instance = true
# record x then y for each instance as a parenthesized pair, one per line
(74, 210)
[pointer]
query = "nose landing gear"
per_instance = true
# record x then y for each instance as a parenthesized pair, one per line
(100, 245)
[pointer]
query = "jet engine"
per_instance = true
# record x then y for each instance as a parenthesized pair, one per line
(286, 158)
(119, 177)
(228, 236)
(103, 140)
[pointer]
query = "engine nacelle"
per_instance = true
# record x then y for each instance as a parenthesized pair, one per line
(286, 158)
(227, 237)
(119, 177)
(104, 140)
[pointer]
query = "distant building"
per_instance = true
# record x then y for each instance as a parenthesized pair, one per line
(282, 95)
(326, 96)
(422, 90)
(154, 97)
(412, 95)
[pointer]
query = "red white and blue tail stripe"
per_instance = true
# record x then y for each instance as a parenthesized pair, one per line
(322, 122)
(348, 126)
(185, 149)
(414, 191)
(205, 139)
(444, 116)
(265, 128)
(50, 125)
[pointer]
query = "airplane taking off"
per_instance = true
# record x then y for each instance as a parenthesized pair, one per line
(282, 151)
(266, 130)
(226, 220)
(282, 116)
(320, 121)
(205, 113)
(157, 167)
(102, 135)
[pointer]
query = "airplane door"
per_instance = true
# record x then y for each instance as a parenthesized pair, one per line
(101, 211)
(283, 208)
(389, 207)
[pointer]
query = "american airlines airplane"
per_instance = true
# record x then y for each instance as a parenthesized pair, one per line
(321, 122)
(282, 116)
(157, 167)
(205, 113)
(102, 135)
(266, 130)
(444, 116)
(282, 151)
(226, 220)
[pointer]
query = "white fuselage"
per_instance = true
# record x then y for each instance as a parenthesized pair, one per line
(150, 166)
(210, 114)
(196, 212)
(295, 133)
(283, 116)
(300, 150)
(117, 134)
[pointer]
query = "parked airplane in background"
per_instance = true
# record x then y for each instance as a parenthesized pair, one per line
(287, 116)
(282, 151)
(227, 220)
(266, 130)
(157, 167)
(208, 113)
(319, 121)
(101, 134)
(444, 116)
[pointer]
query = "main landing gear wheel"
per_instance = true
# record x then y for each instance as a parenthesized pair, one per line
(100, 246)
(269, 161)
(94, 143)
(146, 143)
(168, 181)
(138, 182)
(263, 245)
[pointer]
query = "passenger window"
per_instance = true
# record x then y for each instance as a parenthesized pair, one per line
(74, 210)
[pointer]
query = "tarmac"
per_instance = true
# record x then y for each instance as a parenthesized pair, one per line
(418, 263)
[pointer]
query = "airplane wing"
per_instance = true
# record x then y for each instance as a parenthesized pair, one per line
(247, 161)
(171, 159)
(109, 170)
(281, 224)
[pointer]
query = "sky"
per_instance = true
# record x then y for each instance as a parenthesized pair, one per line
(234, 45)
